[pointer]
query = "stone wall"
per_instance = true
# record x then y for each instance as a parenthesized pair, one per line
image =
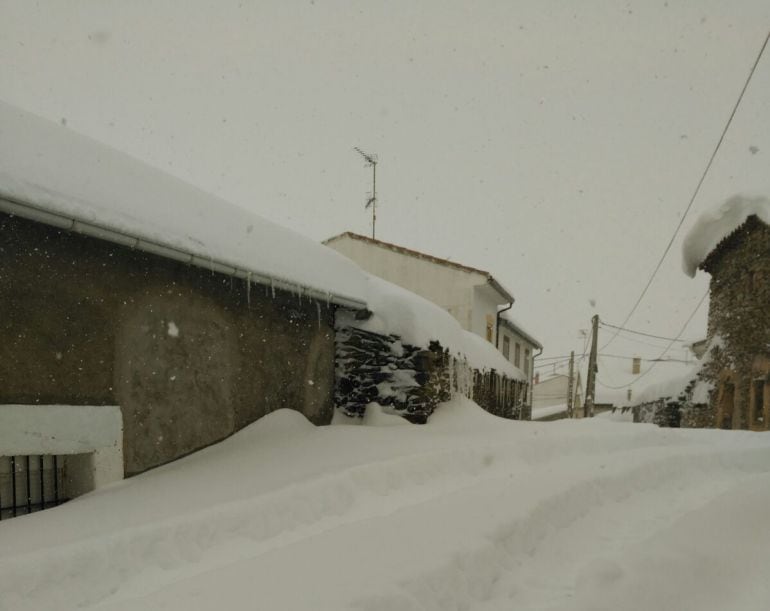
(190, 356)
(739, 318)
(412, 381)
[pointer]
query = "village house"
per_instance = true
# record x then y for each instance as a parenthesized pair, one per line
(732, 244)
(142, 319)
(472, 296)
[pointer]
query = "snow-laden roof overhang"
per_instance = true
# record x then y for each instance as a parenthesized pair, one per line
(717, 224)
(52, 175)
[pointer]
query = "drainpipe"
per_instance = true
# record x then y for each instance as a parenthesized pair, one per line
(497, 323)
(532, 382)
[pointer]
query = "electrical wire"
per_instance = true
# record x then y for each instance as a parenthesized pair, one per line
(606, 324)
(662, 354)
(695, 193)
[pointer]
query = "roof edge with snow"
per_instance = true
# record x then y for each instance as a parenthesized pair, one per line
(716, 225)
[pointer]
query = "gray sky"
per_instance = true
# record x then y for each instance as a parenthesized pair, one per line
(555, 144)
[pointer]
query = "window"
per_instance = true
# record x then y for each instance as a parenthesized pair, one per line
(636, 365)
(517, 355)
(506, 347)
(490, 327)
(526, 361)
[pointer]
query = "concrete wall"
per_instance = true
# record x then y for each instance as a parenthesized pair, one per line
(448, 287)
(91, 437)
(190, 356)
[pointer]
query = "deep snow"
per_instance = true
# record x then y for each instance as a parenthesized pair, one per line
(466, 512)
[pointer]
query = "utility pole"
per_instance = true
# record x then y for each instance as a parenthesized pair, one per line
(372, 161)
(571, 386)
(588, 409)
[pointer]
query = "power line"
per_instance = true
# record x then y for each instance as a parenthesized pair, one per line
(695, 193)
(662, 354)
(606, 324)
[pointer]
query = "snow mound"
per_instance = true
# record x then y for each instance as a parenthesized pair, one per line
(715, 225)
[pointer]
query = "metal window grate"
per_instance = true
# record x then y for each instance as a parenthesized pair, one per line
(30, 483)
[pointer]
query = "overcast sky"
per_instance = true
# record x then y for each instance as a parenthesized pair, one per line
(555, 144)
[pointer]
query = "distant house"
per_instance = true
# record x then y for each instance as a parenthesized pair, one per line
(733, 245)
(550, 397)
(472, 296)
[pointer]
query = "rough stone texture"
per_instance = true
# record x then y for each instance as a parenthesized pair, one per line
(411, 381)
(189, 355)
(739, 316)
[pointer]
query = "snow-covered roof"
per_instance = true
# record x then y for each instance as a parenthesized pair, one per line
(54, 175)
(717, 224)
(490, 279)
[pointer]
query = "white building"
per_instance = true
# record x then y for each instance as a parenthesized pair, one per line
(550, 396)
(473, 296)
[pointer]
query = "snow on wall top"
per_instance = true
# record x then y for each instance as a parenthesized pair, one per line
(57, 170)
(715, 225)
(419, 321)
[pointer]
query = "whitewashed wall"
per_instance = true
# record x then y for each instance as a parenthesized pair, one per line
(91, 435)
(448, 287)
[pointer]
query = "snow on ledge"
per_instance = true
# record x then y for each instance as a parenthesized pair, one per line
(715, 225)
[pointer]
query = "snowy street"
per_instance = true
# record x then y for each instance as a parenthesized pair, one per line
(467, 512)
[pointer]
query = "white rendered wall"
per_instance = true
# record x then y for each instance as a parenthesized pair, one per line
(524, 344)
(448, 287)
(91, 436)
(550, 392)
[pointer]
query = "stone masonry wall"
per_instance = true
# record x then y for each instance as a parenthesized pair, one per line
(411, 381)
(739, 315)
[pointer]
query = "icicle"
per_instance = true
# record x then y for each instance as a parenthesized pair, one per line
(248, 289)
(318, 309)
(272, 287)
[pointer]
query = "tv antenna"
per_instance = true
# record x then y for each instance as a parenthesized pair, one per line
(371, 160)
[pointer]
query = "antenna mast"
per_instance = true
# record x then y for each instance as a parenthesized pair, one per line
(371, 160)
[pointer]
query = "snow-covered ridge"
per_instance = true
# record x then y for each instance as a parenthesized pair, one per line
(715, 225)
(59, 171)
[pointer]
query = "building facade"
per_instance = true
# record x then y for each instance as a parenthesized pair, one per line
(472, 296)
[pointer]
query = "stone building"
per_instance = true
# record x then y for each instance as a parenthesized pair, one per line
(142, 319)
(732, 244)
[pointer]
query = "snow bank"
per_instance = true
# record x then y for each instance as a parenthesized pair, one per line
(467, 512)
(715, 225)
(57, 170)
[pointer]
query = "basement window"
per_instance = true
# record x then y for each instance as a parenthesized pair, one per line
(30, 483)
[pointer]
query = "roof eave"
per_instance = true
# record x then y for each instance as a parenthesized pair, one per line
(60, 221)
